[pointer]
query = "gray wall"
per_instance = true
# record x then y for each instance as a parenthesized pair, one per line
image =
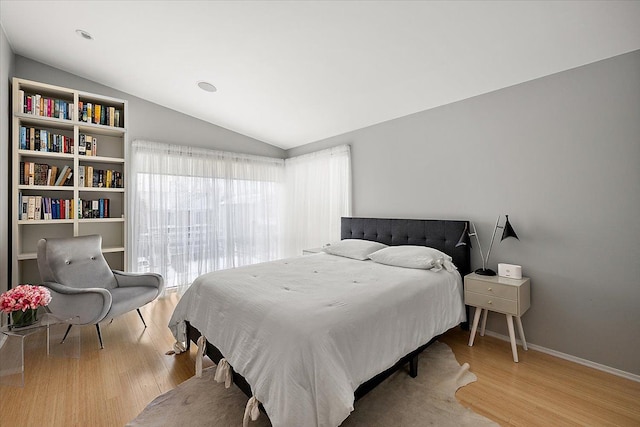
(561, 156)
(6, 71)
(151, 121)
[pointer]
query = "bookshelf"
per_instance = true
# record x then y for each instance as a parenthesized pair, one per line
(62, 186)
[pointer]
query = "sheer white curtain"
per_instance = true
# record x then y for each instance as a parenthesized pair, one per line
(317, 195)
(195, 210)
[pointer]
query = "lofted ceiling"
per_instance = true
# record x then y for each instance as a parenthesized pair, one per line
(294, 72)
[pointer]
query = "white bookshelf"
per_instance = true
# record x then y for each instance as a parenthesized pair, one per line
(110, 155)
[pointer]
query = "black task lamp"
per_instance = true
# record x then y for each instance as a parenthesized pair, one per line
(507, 231)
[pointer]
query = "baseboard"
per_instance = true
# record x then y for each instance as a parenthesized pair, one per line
(578, 360)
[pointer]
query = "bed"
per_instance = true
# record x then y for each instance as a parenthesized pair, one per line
(309, 335)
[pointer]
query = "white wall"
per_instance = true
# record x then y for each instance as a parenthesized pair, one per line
(561, 156)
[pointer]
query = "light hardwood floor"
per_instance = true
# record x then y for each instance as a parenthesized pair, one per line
(110, 387)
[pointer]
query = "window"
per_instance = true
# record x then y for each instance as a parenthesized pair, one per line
(196, 210)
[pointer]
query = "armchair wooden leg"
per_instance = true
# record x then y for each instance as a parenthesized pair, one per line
(66, 333)
(141, 318)
(99, 335)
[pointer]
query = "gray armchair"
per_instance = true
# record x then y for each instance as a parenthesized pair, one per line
(83, 285)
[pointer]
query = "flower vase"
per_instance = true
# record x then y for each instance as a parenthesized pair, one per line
(21, 318)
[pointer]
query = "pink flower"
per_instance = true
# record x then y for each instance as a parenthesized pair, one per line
(24, 297)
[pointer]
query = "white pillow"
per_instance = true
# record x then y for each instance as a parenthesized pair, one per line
(354, 248)
(409, 256)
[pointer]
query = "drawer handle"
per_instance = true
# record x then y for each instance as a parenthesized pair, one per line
(489, 289)
(490, 302)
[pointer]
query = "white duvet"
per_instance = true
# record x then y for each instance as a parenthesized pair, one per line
(305, 332)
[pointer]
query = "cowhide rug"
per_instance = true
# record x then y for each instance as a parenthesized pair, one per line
(428, 400)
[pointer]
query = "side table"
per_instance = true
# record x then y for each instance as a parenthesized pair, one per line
(511, 297)
(12, 345)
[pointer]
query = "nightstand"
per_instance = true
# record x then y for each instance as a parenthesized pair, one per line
(511, 297)
(311, 251)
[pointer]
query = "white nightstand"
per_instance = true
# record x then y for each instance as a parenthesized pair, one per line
(512, 297)
(311, 251)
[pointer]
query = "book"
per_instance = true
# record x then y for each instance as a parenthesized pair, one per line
(46, 208)
(82, 144)
(88, 177)
(53, 175)
(23, 137)
(55, 208)
(69, 180)
(95, 209)
(32, 139)
(25, 207)
(40, 173)
(86, 209)
(63, 175)
(88, 145)
(31, 173)
(31, 208)
(81, 171)
(38, 208)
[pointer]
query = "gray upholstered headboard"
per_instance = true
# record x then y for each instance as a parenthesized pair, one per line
(439, 234)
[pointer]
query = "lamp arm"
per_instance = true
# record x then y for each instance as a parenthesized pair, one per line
(495, 229)
(475, 234)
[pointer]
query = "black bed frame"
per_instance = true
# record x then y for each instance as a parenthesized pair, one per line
(443, 235)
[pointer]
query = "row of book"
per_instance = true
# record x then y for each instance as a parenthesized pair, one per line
(46, 208)
(96, 208)
(87, 145)
(40, 105)
(32, 173)
(88, 176)
(35, 139)
(100, 114)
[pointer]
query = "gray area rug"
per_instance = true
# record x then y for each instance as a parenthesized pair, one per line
(428, 400)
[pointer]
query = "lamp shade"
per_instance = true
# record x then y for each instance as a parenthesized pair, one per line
(508, 231)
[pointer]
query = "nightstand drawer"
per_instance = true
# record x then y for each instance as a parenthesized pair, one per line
(491, 289)
(491, 302)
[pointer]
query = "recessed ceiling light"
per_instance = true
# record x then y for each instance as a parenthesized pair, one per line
(85, 35)
(206, 86)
